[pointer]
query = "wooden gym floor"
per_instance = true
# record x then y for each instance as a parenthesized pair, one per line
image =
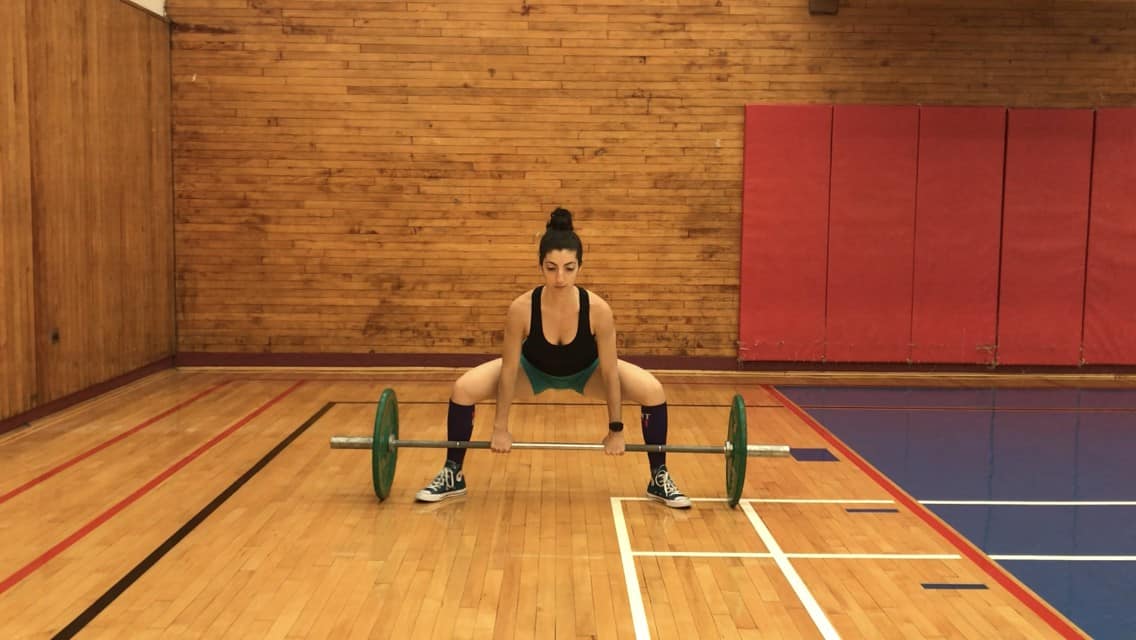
(206, 503)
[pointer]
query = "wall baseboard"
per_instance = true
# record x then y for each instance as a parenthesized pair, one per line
(206, 359)
(59, 404)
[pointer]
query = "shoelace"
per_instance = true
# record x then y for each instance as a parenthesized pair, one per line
(444, 480)
(663, 479)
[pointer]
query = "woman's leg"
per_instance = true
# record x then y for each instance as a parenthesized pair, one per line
(473, 386)
(642, 387)
(476, 385)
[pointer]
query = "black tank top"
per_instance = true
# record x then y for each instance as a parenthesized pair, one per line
(560, 360)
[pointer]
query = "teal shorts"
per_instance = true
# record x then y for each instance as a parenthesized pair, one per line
(541, 381)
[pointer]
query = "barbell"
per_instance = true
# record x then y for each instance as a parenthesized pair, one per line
(385, 443)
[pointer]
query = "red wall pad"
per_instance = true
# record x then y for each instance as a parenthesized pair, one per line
(1110, 306)
(958, 221)
(784, 232)
(871, 234)
(1044, 230)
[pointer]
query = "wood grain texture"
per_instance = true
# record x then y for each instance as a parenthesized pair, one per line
(17, 313)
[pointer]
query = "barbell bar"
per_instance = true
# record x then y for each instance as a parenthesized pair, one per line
(384, 446)
(753, 450)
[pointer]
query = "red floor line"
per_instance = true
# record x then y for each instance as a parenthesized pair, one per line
(1026, 597)
(83, 456)
(82, 532)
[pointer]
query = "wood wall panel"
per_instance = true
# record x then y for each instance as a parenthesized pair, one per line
(102, 219)
(372, 177)
(17, 316)
(63, 214)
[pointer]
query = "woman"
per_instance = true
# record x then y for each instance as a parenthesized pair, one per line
(559, 335)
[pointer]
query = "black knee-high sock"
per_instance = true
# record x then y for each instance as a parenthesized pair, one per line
(459, 426)
(655, 431)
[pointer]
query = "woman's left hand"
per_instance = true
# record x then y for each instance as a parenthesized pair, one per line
(613, 443)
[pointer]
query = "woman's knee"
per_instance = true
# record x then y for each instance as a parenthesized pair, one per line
(476, 385)
(462, 392)
(643, 386)
(655, 394)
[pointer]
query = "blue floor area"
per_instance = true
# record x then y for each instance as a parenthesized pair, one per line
(1023, 445)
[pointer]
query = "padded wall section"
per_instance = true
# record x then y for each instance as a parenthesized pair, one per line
(1044, 235)
(784, 232)
(871, 233)
(958, 219)
(1110, 303)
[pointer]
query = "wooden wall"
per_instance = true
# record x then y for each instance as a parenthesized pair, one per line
(17, 348)
(359, 176)
(87, 244)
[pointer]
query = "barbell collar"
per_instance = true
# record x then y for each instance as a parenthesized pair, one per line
(351, 442)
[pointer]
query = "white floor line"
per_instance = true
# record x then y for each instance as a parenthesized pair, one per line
(1066, 558)
(645, 499)
(874, 556)
(700, 554)
(803, 556)
(992, 503)
(1036, 503)
(813, 501)
(775, 500)
(821, 621)
(634, 596)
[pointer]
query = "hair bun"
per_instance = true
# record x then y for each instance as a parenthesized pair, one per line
(560, 220)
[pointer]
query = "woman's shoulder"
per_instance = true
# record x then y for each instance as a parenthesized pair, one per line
(517, 316)
(523, 301)
(595, 301)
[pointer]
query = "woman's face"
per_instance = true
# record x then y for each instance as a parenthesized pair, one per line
(560, 267)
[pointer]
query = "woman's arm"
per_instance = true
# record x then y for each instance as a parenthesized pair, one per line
(510, 362)
(603, 322)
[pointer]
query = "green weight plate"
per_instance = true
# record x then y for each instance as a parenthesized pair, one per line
(384, 457)
(738, 454)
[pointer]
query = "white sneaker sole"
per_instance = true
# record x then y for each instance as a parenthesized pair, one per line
(682, 503)
(425, 496)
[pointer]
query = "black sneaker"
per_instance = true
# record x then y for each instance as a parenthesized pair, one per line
(663, 489)
(449, 483)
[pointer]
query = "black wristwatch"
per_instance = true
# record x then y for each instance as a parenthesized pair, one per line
(615, 426)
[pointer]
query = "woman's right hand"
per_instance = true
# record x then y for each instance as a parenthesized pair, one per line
(502, 441)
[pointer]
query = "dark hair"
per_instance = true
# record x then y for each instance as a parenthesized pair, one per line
(559, 235)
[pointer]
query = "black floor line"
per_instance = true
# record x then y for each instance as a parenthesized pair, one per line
(954, 586)
(105, 600)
